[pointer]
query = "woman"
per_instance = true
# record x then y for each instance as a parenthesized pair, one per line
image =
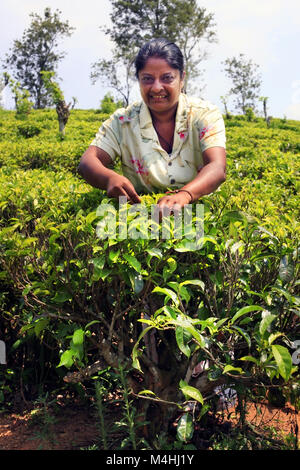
(166, 141)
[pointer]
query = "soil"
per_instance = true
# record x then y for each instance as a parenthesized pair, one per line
(73, 425)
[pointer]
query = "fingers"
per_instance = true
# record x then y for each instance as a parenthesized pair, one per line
(173, 203)
(168, 205)
(131, 192)
(121, 186)
(117, 192)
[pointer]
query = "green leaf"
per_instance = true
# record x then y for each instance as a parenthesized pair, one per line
(146, 392)
(17, 344)
(203, 411)
(78, 337)
(154, 252)
(284, 292)
(191, 392)
(174, 285)
(148, 322)
(27, 289)
(62, 296)
(40, 325)
(185, 246)
(265, 323)
(133, 262)
(98, 268)
(274, 336)
(91, 217)
(244, 310)
(170, 268)
(182, 337)
(184, 294)
(53, 237)
(103, 274)
(244, 334)
(169, 311)
(67, 359)
(135, 361)
(234, 216)
(195, 333)
(221, 322)
(114, 255)
(99, 262)
(185, 428)
(194, 282)
(91, 323)
(168, 293)
(249, 358)
(230, 368)
(283, 360)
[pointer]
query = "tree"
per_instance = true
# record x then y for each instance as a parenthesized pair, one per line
(187, 24)
(136, 21)
(22, 97)
(57, 98)
(224, 100)
(115, 73)
(246, 81)
(2, 86)
(264, 100)
(108, 104)
(37, 51)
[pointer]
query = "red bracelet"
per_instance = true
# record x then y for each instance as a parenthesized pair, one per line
(175, 191)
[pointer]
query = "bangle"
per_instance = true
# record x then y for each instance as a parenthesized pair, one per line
(179, 191)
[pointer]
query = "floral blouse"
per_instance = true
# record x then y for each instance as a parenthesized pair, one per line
(129, 134)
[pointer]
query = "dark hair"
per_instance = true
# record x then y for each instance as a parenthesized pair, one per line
(163, 49)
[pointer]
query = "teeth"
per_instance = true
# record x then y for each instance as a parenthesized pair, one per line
(159, 96)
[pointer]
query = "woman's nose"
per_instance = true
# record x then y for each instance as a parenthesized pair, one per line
(156, 86)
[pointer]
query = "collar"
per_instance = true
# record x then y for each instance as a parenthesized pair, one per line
(181, 121)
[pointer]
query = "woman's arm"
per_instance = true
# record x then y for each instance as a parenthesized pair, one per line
(93, 167)
(208, 179)
(211, 175)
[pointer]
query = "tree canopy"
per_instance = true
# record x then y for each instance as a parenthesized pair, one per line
(136, 21)
(246, 81)
(37, 51)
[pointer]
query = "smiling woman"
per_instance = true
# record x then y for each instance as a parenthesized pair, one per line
(168, 141)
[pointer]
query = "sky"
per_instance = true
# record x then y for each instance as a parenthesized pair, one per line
(265, 31)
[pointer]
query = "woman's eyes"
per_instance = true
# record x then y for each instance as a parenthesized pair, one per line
(167, 79)
(164, 79)
(147, 80)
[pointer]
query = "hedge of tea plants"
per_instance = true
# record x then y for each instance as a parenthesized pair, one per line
(74, 305)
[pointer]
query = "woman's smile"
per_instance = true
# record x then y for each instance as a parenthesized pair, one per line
(158, 97)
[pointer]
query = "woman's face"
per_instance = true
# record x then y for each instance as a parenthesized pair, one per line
(160, 85)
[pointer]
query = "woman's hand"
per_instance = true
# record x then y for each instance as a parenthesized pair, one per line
(173, 203)
(94, 168)
(118, 185)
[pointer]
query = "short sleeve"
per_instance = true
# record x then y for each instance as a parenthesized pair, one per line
(108, 137)
(211, 129)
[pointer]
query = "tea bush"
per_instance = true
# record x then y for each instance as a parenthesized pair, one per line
(73, 304)
(28, 131)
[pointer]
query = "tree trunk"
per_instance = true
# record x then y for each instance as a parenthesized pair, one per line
(62, 126)
(265, 109)
(63, 113)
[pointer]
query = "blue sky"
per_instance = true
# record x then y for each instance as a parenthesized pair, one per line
(266, 31)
